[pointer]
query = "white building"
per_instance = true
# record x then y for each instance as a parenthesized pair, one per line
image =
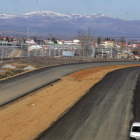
(108, 44)
(59, 42)
(34, 47)
(31, 42)
(68, 42)
(74, 42)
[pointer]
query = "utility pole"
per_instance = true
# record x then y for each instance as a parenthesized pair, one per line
(21, 51)
(28, 44)
(50, 36)
(88, 44)
(83, 38)
(6, 51)
(126, 45)
(2, 52)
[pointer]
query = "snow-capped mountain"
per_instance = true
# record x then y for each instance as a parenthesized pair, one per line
(50, 14)
(6, 16)
(46, 22)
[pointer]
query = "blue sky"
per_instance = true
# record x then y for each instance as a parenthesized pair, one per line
(124, 9)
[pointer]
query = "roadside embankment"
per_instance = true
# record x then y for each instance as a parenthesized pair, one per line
(40, 61)
(10, 68)
(27, 117)
(136, 103)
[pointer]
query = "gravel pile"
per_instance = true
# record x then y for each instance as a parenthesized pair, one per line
(29, 68)
(8, 66)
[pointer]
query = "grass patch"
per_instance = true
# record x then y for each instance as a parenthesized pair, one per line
(10, 73)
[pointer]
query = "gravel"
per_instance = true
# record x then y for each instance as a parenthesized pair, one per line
(8, 66)
(29, 68)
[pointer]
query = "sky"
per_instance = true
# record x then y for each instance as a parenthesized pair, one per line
(123, 9)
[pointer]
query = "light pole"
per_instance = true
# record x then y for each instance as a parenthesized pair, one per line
(28, 44)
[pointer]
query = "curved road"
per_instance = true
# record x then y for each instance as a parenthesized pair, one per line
(102, 114)
(19, 86)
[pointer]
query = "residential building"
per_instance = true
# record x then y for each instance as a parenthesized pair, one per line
(68, 42)
(136, 45)
(108, 44)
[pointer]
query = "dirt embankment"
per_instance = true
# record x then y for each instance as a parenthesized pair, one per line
(136, 103)
(31, 63)
(50, 60)
(26, 118)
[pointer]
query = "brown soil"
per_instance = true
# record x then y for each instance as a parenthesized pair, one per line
(19, 64)
(7, 73)
(27, 117)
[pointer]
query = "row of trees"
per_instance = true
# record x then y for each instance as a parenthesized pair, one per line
(40, 38)
(108, 39)
(9, 40)
(99, 40)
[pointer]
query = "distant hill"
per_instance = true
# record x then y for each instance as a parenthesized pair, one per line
(46, 22)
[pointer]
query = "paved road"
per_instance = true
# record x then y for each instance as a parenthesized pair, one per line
(102, 114)
(19, 86)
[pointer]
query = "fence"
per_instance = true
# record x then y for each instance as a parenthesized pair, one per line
(12, 51)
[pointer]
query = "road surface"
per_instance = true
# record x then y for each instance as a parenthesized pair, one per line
(102, 114)
(19, 86)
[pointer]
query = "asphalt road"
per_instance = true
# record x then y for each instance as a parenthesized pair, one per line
(19, 86)
(104, 113)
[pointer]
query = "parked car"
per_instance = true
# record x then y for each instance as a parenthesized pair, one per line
(135, 131)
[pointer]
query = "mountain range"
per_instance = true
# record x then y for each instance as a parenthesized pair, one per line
(46, 23)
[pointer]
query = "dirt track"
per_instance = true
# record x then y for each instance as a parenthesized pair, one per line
(104, 113)
(31, 115)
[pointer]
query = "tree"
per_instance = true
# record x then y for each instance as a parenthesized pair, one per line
(54, 40)
(34, 38)
(106, 38)
(12, 39)
(122, 40)
(7, 39)
(99, 40)
(24, 41)
(40, 38)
